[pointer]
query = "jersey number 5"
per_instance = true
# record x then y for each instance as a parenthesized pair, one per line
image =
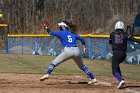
(69, 38)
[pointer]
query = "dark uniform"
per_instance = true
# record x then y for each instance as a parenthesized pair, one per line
(119, 39)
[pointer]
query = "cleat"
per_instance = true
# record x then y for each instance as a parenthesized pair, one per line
(121, 84)
(44, 77)
(92, 81)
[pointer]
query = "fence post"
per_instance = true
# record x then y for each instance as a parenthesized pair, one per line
(36, 45)
(105, 48)
(22, 43)
(89, 47)
(8, 47)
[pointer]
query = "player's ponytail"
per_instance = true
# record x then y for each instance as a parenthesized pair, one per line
(71, 26)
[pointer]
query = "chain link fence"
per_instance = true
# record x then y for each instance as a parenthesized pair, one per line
(98, 47)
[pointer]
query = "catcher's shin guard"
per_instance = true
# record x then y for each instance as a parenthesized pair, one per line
(88, 72)
(50, 69)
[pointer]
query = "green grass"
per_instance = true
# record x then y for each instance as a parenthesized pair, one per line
(34, 64)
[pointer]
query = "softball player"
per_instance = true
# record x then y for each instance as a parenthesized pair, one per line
(71, 50)
(119, 39)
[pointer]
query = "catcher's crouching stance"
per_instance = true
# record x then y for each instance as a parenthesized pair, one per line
(71, 50)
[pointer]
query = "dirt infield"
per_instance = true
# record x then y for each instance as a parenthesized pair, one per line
(29, 83)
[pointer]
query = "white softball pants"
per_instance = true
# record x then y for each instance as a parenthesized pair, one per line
(69, 52)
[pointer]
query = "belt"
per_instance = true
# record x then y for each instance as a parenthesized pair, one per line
(70, 46)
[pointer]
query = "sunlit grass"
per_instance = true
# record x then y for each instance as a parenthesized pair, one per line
(34, 64)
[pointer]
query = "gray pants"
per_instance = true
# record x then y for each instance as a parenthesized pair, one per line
(69, 52)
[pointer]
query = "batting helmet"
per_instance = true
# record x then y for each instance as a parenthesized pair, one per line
(119, 25)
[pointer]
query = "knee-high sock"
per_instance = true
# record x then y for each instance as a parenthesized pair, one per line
(88, 72)
(118, 76)
(50, 69)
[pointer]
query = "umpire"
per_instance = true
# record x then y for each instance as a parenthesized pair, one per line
(119, 39)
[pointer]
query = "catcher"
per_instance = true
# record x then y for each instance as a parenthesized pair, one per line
(68, 39)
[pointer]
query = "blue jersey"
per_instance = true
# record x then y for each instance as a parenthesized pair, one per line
(67, 38)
